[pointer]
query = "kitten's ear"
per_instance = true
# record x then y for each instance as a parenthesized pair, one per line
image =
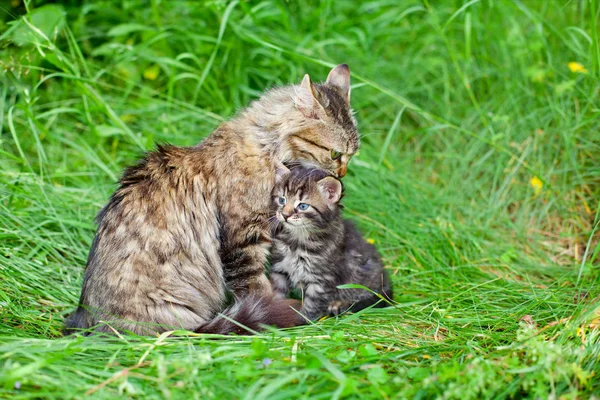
(305, 100)
(331, 189)
(340, 78)
(280, 171)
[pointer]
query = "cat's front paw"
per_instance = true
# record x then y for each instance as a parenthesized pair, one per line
(337, 307)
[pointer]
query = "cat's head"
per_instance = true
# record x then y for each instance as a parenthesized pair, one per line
(329, 137)
(307, 199)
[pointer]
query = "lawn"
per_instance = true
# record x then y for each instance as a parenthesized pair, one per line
(478, 179)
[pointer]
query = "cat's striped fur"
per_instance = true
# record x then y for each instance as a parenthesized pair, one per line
(315, 250)
(188, 225)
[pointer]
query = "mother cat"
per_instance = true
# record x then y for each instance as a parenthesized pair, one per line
(188, 225)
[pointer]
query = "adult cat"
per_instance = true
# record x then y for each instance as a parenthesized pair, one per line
(188, 225)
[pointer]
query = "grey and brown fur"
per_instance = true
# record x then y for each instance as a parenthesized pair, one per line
(188, 225)
(315, 250)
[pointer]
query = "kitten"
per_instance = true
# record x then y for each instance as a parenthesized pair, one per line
(315, 250)
(189, 225)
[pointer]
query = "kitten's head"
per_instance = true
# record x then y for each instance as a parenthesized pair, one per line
(329, 137)
(307, 199)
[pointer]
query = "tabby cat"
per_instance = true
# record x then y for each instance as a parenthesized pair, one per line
(189, 226)
(315, 250)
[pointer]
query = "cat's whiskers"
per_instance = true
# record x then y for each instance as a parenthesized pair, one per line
(273, 223)
(152, 217)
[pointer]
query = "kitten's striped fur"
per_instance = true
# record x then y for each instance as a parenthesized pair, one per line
(188, 225)
(315, 250)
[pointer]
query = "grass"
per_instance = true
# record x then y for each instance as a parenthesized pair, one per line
(478, 179)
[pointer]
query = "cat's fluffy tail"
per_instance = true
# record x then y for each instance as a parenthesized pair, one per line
(252, 313)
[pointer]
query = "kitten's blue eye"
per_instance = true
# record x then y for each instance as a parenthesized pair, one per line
(281, 200)
(303, 206)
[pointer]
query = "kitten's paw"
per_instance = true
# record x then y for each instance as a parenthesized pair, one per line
(337, 307)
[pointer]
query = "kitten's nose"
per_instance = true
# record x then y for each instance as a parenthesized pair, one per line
(285, 216)
(342, 171)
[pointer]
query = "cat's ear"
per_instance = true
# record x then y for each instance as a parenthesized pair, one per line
(280, 171)
(340, 78)
(305, 100)
(331, 189)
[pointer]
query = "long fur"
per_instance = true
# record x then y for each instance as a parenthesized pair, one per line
(252, 313)
(188, 225)
(321, 250)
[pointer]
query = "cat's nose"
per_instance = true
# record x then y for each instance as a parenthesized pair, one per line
(341, 172)
(285, 216)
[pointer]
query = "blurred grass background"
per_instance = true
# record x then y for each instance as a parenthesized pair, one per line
(478, 179)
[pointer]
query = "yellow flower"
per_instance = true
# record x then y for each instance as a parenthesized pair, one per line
(537, 184)
(577, 67)
(151, 73)
(372, 241)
